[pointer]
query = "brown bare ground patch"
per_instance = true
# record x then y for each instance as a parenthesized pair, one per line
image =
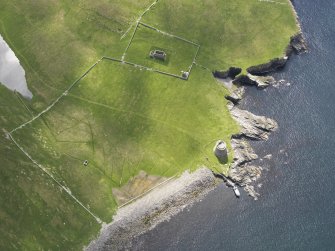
(136, 186)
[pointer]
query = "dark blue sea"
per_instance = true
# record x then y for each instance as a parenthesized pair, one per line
(296, 210)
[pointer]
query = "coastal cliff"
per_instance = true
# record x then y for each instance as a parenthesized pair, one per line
(254, 127)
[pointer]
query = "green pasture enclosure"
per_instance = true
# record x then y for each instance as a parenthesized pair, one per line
(179, 52)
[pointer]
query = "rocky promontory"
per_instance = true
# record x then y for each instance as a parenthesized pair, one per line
(297, 45)
(236, 95)
(253, 126)
(259, 81)
(243, 152)
(272, 66)
(167, 200)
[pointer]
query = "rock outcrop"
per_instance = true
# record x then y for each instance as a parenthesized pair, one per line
(243, 80)
(297, 45)
(243, 152)
(245, 174)
(232, 72)
(262, 81)
(236, 96)
(241, 171)
(272, 66)
(259, 81)
(253, 126)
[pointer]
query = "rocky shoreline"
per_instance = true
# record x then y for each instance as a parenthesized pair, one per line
(253, 127)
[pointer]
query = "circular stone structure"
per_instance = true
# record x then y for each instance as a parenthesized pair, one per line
(220, 151)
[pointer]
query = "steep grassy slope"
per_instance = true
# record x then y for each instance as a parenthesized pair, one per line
(120, 118)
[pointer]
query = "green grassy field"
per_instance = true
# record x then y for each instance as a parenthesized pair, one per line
(120, 118)
(35, 213)
(123, 120)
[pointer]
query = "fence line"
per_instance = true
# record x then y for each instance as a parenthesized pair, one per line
(168, 34)
(67, 190)
(146, 192)
(194, 60)
(84, 75)
(144, 67)
(130, 41)
(20, 99)
(139, 18)
(204, 67)
(56, 101)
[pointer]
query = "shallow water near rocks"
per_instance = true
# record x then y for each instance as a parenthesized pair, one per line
(12, 74)
(296, 210)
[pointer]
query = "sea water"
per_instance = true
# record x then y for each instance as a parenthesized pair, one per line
(296, 210)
